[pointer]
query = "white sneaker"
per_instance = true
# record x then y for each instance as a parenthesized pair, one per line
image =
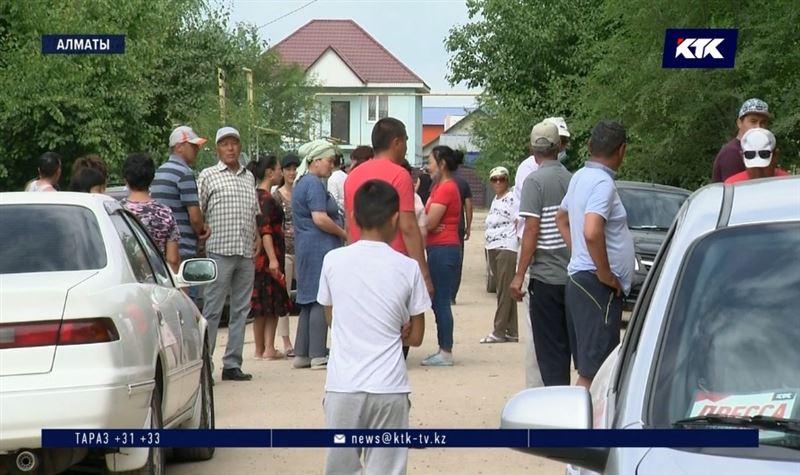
(319, 363)
(301, 362)
(439, 359)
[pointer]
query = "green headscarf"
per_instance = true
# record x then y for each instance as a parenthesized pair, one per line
(314, 150)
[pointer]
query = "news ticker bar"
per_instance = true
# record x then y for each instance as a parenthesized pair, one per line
(434, 438)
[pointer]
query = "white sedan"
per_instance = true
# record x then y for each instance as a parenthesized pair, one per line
(95, 332)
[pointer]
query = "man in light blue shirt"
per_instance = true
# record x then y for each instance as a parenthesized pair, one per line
(594, 225)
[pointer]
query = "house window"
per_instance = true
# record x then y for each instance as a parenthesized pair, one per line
(378, 107)
(340, 120)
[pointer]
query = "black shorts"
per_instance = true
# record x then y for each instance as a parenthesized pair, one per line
(594, 312)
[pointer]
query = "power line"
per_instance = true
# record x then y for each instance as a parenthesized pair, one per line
(287, 14)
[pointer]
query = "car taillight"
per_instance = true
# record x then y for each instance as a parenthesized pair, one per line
(68, 332)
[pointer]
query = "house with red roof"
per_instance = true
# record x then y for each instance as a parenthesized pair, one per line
(360, 82)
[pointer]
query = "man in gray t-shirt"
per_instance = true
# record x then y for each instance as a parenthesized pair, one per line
(542, 193)
(594, 224)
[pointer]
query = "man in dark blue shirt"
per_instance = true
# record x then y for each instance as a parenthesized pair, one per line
(464, 226)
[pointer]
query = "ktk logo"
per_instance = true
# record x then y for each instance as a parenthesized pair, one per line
(693, 48)
(702, 47)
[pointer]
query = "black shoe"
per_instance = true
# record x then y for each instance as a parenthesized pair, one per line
(235, 374)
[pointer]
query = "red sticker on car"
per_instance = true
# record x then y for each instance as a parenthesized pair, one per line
(771, 404)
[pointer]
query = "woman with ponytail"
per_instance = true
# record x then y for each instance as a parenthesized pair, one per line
(444, 246)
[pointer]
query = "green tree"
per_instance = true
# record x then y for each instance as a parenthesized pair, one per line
(679, 119)
(530, 58)
(590, 60)
(116, 104)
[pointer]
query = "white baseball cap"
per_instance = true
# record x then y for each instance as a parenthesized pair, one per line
(185, 134)
(227, 132)
(559, 122)
(760, 143)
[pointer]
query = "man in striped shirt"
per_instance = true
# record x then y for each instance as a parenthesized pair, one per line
(174, 185)
(542, 193)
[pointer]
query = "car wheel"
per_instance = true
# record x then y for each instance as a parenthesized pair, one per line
(156, 458)
(206, 415)
(491, 285)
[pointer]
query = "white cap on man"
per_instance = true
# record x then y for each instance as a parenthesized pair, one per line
(559, 122)
(227, 132)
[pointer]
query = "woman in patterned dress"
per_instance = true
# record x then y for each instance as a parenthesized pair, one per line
(270, 298)
(156, 218)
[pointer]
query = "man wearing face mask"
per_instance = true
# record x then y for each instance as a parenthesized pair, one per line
(563, 133)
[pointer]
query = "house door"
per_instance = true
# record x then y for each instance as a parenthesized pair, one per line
(340, 120)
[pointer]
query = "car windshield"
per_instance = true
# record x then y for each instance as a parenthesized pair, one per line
(731, 346)
(650, 209)
(50, 238)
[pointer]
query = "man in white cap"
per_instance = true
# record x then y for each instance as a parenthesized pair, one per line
(174, 186)
(753, 113)
(563, 133)
(760, 157)
(228, 199)
(532, 376)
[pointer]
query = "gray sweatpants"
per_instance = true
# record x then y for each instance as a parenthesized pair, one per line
(366, 411)
(235, 275)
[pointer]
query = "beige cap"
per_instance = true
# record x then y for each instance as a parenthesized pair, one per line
(498, 171)
(545, 138)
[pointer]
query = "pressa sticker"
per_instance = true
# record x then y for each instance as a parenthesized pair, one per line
(770, 404)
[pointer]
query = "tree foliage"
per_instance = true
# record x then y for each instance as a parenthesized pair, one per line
(116, 104)
(590, 60)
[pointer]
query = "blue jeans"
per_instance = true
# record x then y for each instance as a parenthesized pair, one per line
(443, 264)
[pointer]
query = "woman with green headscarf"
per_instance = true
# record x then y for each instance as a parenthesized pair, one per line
(314, 214)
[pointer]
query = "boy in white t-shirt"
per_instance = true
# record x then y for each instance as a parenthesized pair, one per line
(369, 290)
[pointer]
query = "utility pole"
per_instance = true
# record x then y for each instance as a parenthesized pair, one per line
(221, 84)
(249, 74)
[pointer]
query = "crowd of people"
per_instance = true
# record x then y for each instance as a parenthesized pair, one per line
(374, 245)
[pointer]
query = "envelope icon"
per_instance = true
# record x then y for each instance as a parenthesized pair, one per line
(339, 439)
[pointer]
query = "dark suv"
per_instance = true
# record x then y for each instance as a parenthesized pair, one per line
(651, 209)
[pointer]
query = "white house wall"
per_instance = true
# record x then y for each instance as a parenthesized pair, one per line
(330, 71)
(406, 108)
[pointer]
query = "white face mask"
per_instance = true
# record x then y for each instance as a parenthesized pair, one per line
(562, 155)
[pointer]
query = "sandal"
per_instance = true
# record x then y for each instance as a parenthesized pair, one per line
(289, 353)
(492, 338)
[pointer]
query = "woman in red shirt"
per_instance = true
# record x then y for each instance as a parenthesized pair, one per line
(443, 211)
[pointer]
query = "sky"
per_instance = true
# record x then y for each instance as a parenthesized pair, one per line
(412, 30)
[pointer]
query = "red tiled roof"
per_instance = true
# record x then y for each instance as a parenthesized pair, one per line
(368, 59)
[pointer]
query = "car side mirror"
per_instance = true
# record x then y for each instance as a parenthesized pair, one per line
(197, 271)
(555, 407)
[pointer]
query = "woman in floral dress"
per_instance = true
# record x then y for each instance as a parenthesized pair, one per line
(270, 298)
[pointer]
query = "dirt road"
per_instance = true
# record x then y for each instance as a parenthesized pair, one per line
(468, 395)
